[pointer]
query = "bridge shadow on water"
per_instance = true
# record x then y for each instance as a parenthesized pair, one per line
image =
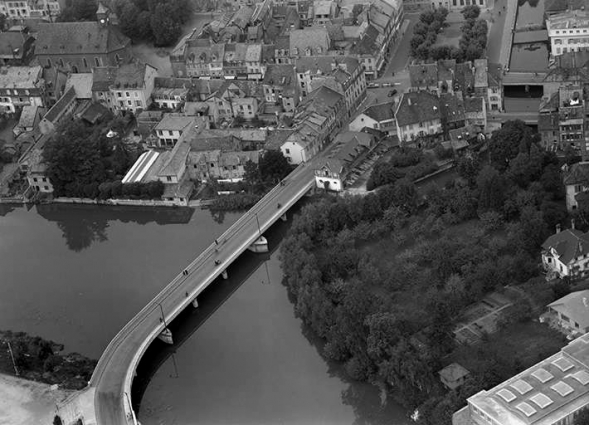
(213, 297)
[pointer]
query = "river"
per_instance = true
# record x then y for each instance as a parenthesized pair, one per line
(76, 274)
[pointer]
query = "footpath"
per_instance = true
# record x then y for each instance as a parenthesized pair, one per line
(508, 30)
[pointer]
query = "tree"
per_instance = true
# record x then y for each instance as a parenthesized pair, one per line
(164, 28)
(506, 142)
(79, 10)
(582, 418)
(273, 166)
(73, 159)
(251, 173)
(491, 190)
(471, 12)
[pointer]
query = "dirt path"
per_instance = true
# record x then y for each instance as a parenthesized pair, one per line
(25, 402)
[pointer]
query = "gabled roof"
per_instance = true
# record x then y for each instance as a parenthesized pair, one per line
(569, 19)
(82, 83)
(568, 244)
(11, 44)
(316, 39)
(176, 122)
(79, 37)
(577, 173)
(20, 77)
(61, 104)
(368, 45)
(423, 75)
(380, 112)
(176, 159)
(103, 77)
(417, 107)
(575, 306)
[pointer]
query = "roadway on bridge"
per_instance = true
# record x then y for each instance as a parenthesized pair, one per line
(112, 376)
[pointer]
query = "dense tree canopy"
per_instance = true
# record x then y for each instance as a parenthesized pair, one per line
(383, 282)
(79, 158)
(79, 10)
(159, 21)
(273, 166)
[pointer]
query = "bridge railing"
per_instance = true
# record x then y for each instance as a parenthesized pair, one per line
(152, 305)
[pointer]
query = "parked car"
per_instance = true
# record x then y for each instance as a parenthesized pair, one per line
(387, 84)
(392, 92)
(373, 85)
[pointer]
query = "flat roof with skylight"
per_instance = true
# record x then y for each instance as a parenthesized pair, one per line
(541, 395)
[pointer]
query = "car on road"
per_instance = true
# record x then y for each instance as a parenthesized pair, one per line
(373, 85)
(392, 92)
(387, 84)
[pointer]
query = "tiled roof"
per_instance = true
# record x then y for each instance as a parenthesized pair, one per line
(446, 69)
(78, 37)
(577, 173)
(103, 78)
(480, 73)
(452, 107)
(20, 77)
(222, 142)
(575, 306)
(473, 104)
(82, 83)
(316, 39)
(282, 42)
(417, 107)
(380, 112)
(326, 64)
(63, 102)
(568, 244)
(368, 45)
(548, 122)
(282, 75)
(131, 74)
(552, 6)
(453, 372)
(423, 75)
(253, 53)
(174, 122)
(323, 95)
(276, 138)
(11, 44)
(176, 159)
(28, 115)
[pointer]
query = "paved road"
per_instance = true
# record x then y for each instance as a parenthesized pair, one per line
(113, 375)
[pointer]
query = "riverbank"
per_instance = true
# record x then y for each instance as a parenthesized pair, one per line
(27, 402)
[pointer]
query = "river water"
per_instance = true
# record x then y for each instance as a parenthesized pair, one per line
(76, 274)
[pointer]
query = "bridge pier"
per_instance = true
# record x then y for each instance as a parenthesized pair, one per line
(225, 275)
(283, 217)
(259, 246)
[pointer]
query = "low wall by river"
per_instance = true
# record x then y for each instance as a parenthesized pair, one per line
(121, 202)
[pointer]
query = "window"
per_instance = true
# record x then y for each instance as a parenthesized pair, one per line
(35, 179)
(49, 62)
(44, 179)
(138, 103)
(286, 150)
(169, 178)
(119, 94)
(129, 102)
(46, 187)
(170, 133)
(127, 94)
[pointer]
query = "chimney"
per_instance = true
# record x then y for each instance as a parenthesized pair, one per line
(558, 228)
(572, 223)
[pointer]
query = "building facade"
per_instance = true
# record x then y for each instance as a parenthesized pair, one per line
(21, 86)
(568, 31)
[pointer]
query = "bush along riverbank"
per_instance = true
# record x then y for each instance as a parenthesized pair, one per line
(41, 360)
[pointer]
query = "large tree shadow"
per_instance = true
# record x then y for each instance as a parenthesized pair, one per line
(82, 225)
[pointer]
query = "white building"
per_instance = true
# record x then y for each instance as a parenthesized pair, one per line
(551, 392)
(565, 253)
(568, 31)
(21, 86)
(127, 87)
(379, 117)
(21, 9)
(418, 115)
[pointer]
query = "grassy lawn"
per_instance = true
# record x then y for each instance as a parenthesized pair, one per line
(450, 36)
(528, 342)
